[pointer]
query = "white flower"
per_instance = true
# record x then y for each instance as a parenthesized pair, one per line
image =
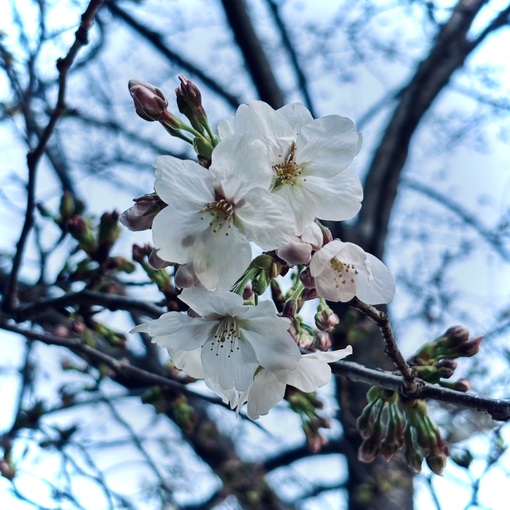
(228, 341)
(268, 387)
(343, 270)
(309, 158)
(212, 215)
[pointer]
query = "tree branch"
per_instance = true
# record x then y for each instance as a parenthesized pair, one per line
(447, 55)
(249, 43)
(33, 157)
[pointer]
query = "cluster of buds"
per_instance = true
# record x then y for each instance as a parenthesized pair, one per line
(435, 360)
(388, 424)
(151, 105)
(306, 406)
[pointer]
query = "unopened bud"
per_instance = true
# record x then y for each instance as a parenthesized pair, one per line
(456, 335)
(436, 463)
(189, 102)
(150, 103)
(470, 348)
(325, 318)
(141, 215)
(370, 447)
(460, 385)
(83, 233)
(109, 230)
(7, 470)
(414, 458)
(307, 279)
(322, 341)
(445, 368)
(248, 293)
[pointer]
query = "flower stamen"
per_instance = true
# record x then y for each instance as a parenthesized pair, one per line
(221, 212)
(288, 171)
(227, 334)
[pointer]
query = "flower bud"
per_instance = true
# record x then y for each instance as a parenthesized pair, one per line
(248, 293)
(460, 385)
(456, 335)
(365, 421)
(150, 103)
(322, 341)
(436, 462)
(325, 318)
(414, 458)
(307, 279)
(189, 102)
(370, 447)
(141, 215)
(470, 348)
(109, 230)
(83, 233)
(445, 368)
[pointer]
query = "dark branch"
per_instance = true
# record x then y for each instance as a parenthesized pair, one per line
(254, 55)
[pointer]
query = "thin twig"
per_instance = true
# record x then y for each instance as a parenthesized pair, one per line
(496, 408)
(33, 157)
(391, 347)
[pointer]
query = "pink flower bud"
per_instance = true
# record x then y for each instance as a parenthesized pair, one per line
(141, 215)
(322, 341)
(307, 279)
(326, 319)
(189, 102)
(150, 103)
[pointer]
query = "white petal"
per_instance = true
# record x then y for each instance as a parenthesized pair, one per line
(266, 219)
(313, 370)
(232, 365)
(226, 128)
(220, 258)
(380, 288)
(265, 123)
(274, 347)
(207, 303)
(188, 361)
(182, 183)
(313, 235)
(338, 197)
(174, 232)
(330, 143)
(265, 392)
(301, 202)
(177, 330)
(297, 115)
(241, 163)
(328, 283)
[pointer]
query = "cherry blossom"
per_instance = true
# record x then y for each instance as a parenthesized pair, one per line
(212, 215)
(344, 270)
(309, 158)
(224, 339)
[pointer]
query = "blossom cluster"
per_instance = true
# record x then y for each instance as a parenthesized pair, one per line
(267, 179)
